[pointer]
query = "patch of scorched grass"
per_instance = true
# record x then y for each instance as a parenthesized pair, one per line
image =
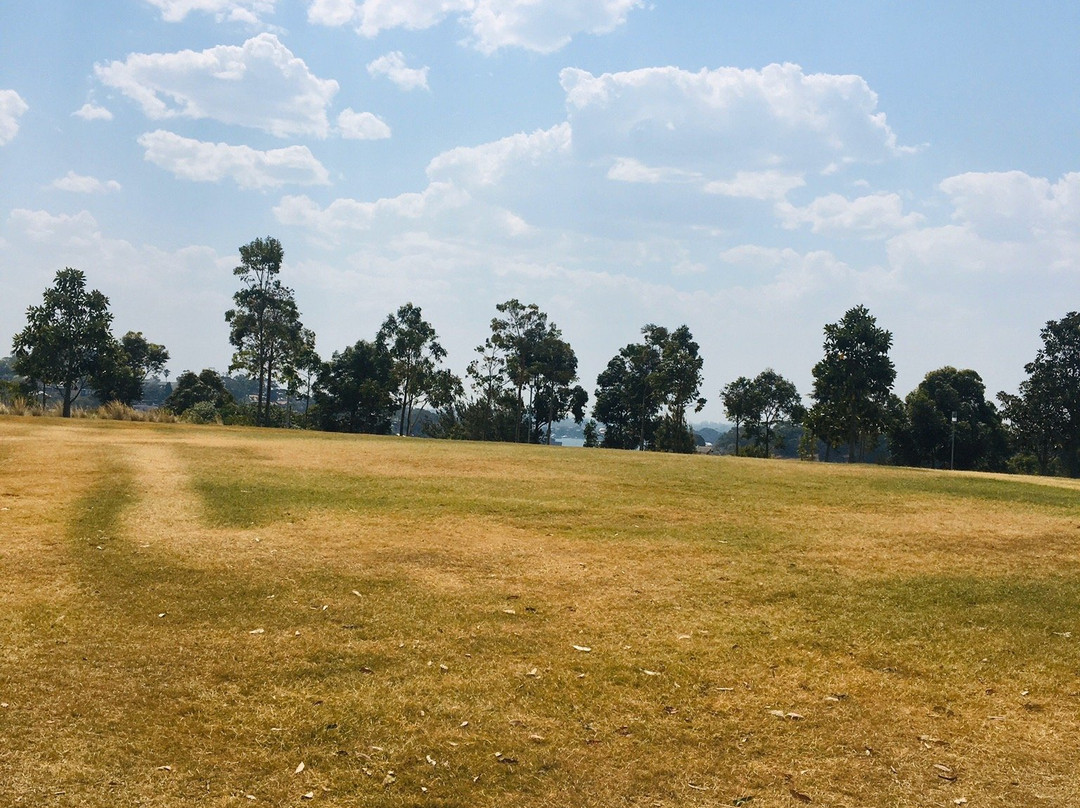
(444, 624)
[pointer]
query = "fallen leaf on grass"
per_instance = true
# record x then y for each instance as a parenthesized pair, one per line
(309, 796)
(508, 760)
(299, 768)
(650, 673)
(741, 801)
(944, 772)
(533, 673)
(389, 780)
(357, 594)
(536, 738)
(164, 768)
(584, 648)
(696, 787)
(257, 631)
(799, 795)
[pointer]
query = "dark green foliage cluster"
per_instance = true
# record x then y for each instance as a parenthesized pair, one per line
(643, 393)
(68, 345)
(524, 381)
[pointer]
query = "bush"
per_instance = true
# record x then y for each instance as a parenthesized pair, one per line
(202, 412)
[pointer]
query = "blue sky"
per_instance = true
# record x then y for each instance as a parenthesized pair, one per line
(749, 169)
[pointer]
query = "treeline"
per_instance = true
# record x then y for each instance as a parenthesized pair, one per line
(523, 380)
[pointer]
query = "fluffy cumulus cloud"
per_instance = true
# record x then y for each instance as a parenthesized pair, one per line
(82, 184)
(346, 216)
(12, 107)
(720, 122)
(259, 84)
(1002, 223)
(871, 216)
(489, 164)
(393, 66)
(543, 26)
(362, 126)
(93, 112)
(247, 167)
(247, 11)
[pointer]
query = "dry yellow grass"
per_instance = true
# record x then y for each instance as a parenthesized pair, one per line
(191, 613)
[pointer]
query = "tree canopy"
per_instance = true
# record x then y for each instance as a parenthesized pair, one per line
(265, 325)
(66, 339)
(853, 399)
(643, 393)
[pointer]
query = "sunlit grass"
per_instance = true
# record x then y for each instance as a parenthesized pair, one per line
(194, 612)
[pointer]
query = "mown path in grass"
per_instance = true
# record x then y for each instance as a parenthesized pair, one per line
(194, 613)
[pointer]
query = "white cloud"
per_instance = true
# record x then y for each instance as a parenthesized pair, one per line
(12, 107)
(543, 26)
(763, 185)
(93, 112)
(488, 164)
(246, 11)
(332, 12)
(259, 84)
(627, 169)
(362, 126)
(344, 216)
(392, 65)
(1014, 204)
(1002, 223)
(872, 216)
(249, 168)
(719, 122)
(81, 184)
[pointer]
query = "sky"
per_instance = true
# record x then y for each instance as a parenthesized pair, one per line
(751, 170)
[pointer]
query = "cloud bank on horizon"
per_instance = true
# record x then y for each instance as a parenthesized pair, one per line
(456, 153)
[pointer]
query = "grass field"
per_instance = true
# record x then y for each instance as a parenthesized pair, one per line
(215, 617)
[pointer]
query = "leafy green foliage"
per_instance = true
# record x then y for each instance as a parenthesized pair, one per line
(66, 339)
(355, 391)
(125, 367)
(643, 393)
(206, 388)
(1044, 419)
(853, 400)
(926, 435)
(264, 326)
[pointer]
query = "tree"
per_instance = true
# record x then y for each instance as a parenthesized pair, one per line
(205, 387)
(66, 338)
(741, 404)
(265, 325)
(415, 354)
(643, 393)
(1045, 417)
(125, 367)
(926, 435)
(554, 371)
(355, 390)
(678, 381)
(852, 393)
(517, 337)
(627, 402)
(301, 371)
(777, 402)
